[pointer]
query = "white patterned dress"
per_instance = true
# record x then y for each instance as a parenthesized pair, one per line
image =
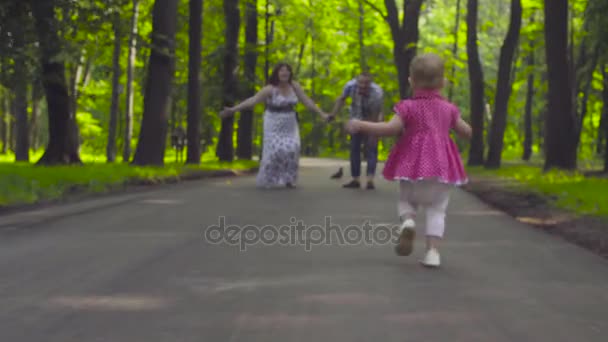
(281, 149)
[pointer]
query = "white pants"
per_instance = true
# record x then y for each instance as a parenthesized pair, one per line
(432, 196)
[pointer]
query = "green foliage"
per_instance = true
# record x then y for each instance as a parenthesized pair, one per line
(23, 184)
(572, 191)
(321, 40)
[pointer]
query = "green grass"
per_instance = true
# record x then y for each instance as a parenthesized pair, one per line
(25, 183)
(572, 190)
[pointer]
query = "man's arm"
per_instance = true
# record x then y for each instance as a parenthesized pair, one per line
(341, 100)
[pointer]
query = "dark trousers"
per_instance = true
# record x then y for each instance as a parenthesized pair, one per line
(371, 154)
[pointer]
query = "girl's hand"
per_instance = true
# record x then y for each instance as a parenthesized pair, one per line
(353, 126)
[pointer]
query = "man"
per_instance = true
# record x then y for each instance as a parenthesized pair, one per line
(366, 104)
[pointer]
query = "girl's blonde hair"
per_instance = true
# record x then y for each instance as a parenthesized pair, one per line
(427, 71)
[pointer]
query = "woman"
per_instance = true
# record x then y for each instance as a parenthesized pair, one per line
(281, 152)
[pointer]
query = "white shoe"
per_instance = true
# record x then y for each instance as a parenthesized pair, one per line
(409, 223)
(407, 234)
(431, 259)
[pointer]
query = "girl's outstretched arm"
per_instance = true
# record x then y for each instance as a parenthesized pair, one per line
(260, 96)
(463, 129)
(381, 129)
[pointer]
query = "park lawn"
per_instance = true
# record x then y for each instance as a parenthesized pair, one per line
(25, 183)
(570, 190)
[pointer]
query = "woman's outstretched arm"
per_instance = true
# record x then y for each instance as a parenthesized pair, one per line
(307, 101)
(260, 96)
(381, 129)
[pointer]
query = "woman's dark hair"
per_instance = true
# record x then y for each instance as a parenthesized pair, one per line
(274, 77)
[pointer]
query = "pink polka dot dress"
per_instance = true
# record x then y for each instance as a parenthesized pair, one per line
(425, 150)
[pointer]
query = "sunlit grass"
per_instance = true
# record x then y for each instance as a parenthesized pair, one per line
(572, 190)
(24, 183)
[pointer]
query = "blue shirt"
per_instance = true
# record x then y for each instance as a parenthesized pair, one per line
(363, 107)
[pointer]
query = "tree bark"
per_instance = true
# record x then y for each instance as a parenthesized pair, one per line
(153, 134)
(454, 51)
(560, 132)
(111, 145)
(128, 132)
(605, 116)
(36, 97)
(193, 131)
(362, 57)
(74, 94)
(405, 38)
(528, 136)
(601, 131)
(20, 89)
(245, 129)
(225, 148)
(586, 92)
(504, 87)
(476, 97)
(22, 146)
(6, 120)
(61, 149)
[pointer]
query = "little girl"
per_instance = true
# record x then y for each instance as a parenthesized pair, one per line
(424, 160)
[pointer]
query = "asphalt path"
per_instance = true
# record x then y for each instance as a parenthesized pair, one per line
(152, 267)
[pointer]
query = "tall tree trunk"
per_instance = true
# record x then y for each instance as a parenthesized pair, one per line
(476, 96)
(267, 41)
(225, 149)
(504, 87)
(405, 38)
(560, 133)
(153, 134)
(605, 115)
(528, 136)
(601, 131)
(193, 131)
(586, 92)
(245, 129)
(36, 97)
(22, 146)
(111, 145)
(301, 55)
(62, 148)
(13, 129)
(74, 94)
(362, 57)
(454, 51)
(6, 119)
(20, 89)
(128, 132)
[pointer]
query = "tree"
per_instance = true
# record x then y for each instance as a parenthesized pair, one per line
(561, 122)
(194, 105)
(504, 87)
(604, 120)
(476, 86)
(153, 135)
(19, 81)
(111, 146)
(245, 130)
(225, 149)
(62, 148)
(405, 36)
(528, 136)
(128, 133)
(454, 51)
